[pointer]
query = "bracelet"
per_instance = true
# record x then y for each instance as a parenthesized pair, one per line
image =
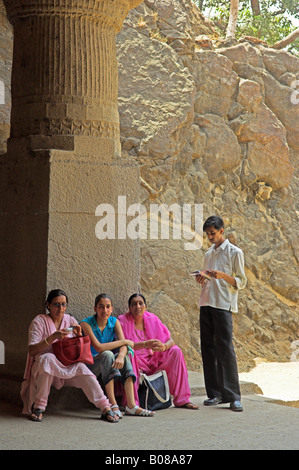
(47, 342)
(165, 347)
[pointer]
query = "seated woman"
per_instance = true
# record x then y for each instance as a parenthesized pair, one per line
(102, 329)
(155, 350)
(43, 369)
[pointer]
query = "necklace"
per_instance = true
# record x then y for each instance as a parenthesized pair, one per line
(140, 334)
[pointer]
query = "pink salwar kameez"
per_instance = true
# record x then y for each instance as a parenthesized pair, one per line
(44, 370)
(148, 361)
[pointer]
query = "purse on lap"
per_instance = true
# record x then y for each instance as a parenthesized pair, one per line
(153, 391)
(71, 350)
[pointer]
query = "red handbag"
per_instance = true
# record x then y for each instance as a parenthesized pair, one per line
(71, 350)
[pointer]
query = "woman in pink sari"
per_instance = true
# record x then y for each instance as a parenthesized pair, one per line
(43, 369)
(155, 350)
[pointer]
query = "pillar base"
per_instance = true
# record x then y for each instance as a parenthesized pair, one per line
(48, 240)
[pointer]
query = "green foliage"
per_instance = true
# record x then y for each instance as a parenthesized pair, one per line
(274, 23)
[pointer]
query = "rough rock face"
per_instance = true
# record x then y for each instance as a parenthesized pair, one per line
(218, 127)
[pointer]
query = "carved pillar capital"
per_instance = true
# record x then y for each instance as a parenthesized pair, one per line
(64, 79)
(111, 12)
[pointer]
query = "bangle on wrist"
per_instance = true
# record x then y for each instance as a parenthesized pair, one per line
(47, 342)
(165, 347)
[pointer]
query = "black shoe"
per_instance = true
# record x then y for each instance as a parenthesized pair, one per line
(212, 401)
(236, 406)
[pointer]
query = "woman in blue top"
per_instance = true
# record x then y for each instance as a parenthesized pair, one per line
(106, 336)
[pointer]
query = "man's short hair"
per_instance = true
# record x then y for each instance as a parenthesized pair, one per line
(213, 221)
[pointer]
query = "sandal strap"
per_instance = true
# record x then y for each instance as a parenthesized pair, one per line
(111, 414)
(37, 411)
(36, 414)
(144, 412)
(131, 411)
(116, 411)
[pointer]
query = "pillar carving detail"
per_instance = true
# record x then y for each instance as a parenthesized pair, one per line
(65, 79)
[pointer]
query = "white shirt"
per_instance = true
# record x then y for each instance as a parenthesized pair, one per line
(218, 293)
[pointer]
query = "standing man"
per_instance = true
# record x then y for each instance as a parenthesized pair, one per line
(224, 263)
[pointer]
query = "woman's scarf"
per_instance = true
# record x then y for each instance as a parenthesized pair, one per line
(154, 328)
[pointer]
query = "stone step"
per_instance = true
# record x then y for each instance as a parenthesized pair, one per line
(72, 398)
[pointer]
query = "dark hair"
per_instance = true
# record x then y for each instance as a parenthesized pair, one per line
(56, 293)
(135, 295)
(213, 221)
(101, 296)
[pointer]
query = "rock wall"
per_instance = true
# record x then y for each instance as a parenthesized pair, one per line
(210, 123)
(214, 124)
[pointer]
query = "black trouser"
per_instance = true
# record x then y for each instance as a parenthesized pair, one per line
(218, 354)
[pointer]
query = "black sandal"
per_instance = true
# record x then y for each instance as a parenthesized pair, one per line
(37, 412)
(108, 415)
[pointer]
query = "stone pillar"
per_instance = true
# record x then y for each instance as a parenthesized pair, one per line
(63, 160)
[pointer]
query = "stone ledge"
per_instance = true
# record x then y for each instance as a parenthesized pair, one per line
(70, 398)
